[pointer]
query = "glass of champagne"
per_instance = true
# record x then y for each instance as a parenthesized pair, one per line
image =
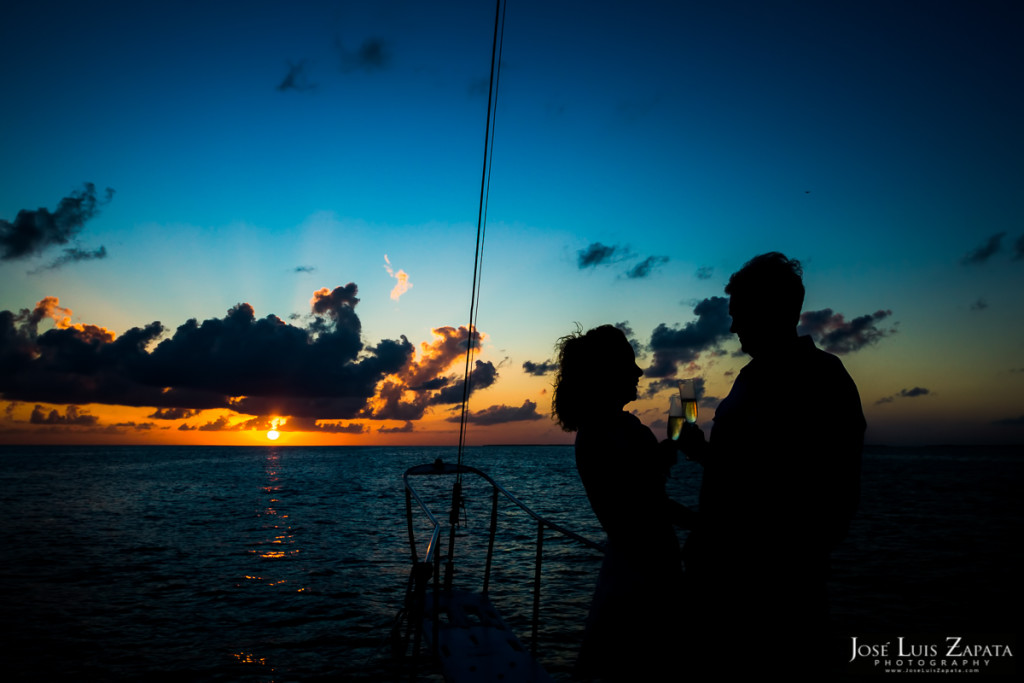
(675, 417)
(688, 397)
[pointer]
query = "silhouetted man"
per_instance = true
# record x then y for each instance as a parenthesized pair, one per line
(781, 483)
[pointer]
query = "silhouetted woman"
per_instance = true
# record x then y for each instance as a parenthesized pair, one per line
(623, 469)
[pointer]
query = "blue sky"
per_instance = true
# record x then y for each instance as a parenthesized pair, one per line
(259, 152)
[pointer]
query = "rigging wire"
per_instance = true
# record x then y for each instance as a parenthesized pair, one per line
(481, 225)
(474, 299)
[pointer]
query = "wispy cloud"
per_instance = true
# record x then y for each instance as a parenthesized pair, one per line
(905, 393)
(72, 255)
(645, 267)
(985, 251)
(31, 232)
(402, 285)
(372, 55)
(296, 79)
(597, 254)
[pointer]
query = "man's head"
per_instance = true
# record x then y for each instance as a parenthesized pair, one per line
(765, 298)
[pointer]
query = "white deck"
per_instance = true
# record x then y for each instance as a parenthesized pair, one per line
(475, 644)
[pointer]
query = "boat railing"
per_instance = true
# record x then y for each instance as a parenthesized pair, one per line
(427, 567)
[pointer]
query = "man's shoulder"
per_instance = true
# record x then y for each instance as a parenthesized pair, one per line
(809, 351)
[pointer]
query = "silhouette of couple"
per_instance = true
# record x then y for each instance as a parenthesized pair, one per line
(780, 484)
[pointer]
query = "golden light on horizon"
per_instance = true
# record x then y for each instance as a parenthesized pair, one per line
(273, 434)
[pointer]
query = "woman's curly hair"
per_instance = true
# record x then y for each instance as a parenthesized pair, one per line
(578, 378)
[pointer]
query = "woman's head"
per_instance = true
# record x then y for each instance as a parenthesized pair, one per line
(597, 372)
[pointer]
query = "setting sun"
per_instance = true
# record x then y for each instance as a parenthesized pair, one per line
(273, 434)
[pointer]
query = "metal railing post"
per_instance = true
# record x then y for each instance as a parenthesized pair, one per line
(490, 538)
(536, 587)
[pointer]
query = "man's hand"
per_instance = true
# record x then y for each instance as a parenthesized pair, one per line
(692, 442)
(668, 452)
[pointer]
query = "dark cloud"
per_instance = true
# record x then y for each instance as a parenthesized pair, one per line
(33, 231)
(296, 79)
(985, 251)
(979, 305)
(137, 426)
(254, 366)
(173, 414)
(599, 254)
(654, 387)
(221, 424)
(539, 369)
(484, 375)
(311, 425)
(624, 327)
(336, 303)
(499, 414)
(72, 255)
(835, 334)
(224, 424)
(404, 429)
(73, 415)
(1018, 249)
(705, 272)
(304, 269)
(1010, 422)
(905, 393)
(645, 267)
(423, 382)
(274, 368)
(675, 346)
(372, 55)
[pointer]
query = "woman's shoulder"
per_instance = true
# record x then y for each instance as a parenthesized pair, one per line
(619, 427)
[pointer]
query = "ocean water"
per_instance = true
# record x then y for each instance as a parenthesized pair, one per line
(290, 564)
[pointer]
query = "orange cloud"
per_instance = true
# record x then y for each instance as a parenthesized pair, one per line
(49, 307)
(449, 345)
(403, 284)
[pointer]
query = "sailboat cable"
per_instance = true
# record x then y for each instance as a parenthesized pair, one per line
(474, 304)
(486, 203)
(490, 166)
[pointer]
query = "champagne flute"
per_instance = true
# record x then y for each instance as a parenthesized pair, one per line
(675, 417)
(688, 396)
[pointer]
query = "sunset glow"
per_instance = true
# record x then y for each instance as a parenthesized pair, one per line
(637, 164)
